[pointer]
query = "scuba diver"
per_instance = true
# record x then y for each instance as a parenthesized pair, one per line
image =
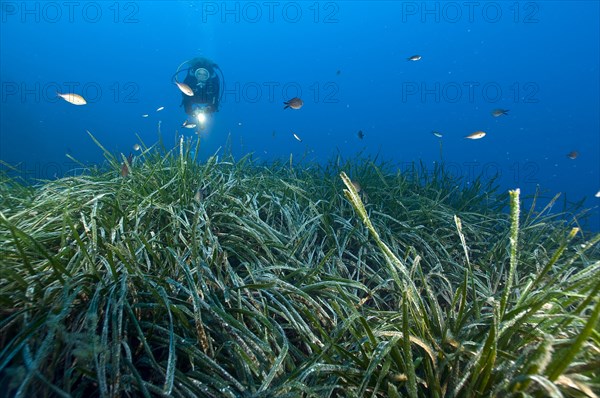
(203, 93)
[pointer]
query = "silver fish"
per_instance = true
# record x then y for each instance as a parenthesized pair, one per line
(74, 99)
(476, 135)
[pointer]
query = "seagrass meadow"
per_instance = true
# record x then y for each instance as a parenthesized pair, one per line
(235, 278)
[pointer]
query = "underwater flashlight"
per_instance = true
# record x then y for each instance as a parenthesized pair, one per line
(201, 116)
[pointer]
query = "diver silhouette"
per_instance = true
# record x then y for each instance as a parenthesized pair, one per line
(205, 79)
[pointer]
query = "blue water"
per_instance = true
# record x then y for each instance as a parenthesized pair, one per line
(346, 59)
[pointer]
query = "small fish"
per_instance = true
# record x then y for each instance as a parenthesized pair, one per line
(160, 109)
(185, 89)
(74, 99)
(145, 115)
(137, 147)
(597, 194)
(573, 155)
(124, 167)
(476, 135)
(437, 134)
(294, 103)
(357, 186)
(296, 137)
(338, 72)
(414, 58)
(499, 112)
(188, 125)
(360, 134)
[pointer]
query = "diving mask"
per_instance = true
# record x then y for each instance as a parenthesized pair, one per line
(201, 75)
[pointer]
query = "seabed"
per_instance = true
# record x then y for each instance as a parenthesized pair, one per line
(232, 278)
